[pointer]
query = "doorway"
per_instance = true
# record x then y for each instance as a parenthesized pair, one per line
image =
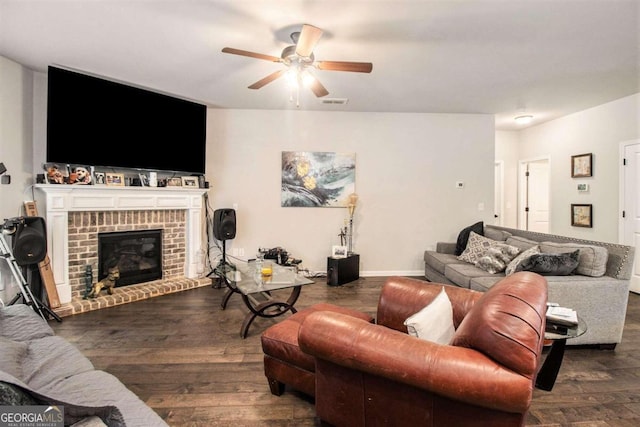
(533, 203)
(629, 230)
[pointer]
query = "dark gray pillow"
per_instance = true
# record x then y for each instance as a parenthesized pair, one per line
(551, 264)
(463, 236)
(12, 395)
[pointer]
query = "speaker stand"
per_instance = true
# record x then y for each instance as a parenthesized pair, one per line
(25, 292)
(221, 269)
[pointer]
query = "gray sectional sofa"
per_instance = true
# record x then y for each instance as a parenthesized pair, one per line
(600, 301)
(40, 368)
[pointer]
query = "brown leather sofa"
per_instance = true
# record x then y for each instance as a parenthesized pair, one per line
(376, 374)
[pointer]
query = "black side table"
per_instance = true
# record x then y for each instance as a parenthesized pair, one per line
(551, 366)
(343, 270)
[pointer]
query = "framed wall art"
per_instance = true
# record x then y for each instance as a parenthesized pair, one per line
(582, 165)
(317, 179)
(582, 215)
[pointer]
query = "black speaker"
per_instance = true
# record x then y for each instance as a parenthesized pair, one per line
(29, 244)
(224, 224)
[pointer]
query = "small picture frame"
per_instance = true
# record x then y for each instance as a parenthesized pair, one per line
(144, 180)
(582, 215)
(582, 165)
(80, 175)
(55, 173)
(174, 182)
(583, 187)
(115, 179)
(190, 181)
(99, 178)
(338, 251)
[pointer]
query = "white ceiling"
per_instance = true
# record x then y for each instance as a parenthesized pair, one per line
(548, 58)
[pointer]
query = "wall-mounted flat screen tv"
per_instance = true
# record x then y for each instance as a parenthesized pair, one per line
(98, 122)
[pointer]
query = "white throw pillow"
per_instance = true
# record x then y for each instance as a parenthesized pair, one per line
(434, 322)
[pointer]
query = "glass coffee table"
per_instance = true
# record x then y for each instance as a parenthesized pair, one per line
(257, 291)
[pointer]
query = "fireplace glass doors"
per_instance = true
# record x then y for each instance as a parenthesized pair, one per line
(137, 253)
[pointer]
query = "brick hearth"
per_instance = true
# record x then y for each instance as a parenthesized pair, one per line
(128, 294)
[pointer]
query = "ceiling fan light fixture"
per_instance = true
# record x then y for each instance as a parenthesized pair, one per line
(524, 119)
(306, 78)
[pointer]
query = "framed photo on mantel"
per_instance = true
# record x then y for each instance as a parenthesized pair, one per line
(116, 179)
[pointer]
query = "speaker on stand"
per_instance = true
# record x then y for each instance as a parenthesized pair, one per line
(28, 247)
(224, 228)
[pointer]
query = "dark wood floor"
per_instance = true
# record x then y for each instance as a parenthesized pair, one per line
(183, 355)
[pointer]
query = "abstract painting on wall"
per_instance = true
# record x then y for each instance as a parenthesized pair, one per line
(317, 179)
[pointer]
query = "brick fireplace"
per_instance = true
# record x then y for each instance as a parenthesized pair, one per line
(75, 215)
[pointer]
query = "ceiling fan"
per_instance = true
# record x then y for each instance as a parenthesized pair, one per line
(298, 58)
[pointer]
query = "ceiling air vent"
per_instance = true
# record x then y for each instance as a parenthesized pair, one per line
(334, 101)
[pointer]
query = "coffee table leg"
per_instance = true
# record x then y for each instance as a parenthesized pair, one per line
(262, 309)
(551, 366)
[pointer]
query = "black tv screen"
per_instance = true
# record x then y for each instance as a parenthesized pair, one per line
(98, 122)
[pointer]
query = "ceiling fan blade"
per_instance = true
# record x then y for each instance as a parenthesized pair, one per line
(271, 77)
(251, 54)
(358, 67)
(317, 88)
(308, 39)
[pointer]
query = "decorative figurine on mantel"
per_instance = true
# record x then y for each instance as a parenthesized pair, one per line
(107, 283)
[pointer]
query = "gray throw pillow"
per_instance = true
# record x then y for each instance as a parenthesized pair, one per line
(463, 236)
(496, 258)
(476, 248)
(513, 265)
(551, 264)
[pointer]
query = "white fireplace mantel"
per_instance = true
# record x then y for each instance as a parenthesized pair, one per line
(56, 201)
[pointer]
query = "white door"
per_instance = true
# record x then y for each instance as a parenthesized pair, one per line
(498, 188)
(631, 208)
(534, 203)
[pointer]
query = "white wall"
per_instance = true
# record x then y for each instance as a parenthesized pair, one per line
(406, 169)
(598, 130)
(16, 100)
(507, 149)
(16, 93)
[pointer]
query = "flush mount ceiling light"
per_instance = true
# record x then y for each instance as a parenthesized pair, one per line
(524, 119)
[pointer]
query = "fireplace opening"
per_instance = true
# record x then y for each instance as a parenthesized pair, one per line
(137, 254)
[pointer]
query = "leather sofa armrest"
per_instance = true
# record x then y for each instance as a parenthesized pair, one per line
(440, 369)
(403, 296)
(446, 247)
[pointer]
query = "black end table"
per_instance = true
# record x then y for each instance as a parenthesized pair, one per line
(549, 370)
(343, 270)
